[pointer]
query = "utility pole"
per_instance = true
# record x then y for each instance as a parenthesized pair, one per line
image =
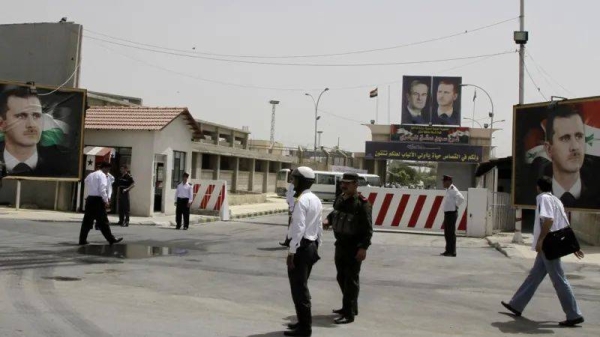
(520, 38)
(274, 104)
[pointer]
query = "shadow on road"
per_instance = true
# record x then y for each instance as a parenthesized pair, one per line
(523, 325)
(322, 321)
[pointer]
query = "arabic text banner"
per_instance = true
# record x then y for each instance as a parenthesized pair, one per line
(424, 152)
(429, 134)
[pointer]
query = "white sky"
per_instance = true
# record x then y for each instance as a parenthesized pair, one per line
(563, 38)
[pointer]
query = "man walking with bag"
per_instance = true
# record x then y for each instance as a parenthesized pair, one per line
(549, 217)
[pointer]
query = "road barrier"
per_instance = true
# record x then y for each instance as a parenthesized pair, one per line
(211, 195)
(411, 209)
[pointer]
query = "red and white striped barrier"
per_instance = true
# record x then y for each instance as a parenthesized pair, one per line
(211, 195)
(411, 209)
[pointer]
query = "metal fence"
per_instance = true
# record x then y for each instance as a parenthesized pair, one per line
(502, 212)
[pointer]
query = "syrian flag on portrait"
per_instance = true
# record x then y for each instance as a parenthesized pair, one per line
(53, 129)
(591, 118)
(534, 144)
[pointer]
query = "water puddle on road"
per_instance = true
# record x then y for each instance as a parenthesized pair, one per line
(129, 251)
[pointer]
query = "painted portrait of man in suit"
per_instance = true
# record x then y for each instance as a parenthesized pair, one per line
(32, 141)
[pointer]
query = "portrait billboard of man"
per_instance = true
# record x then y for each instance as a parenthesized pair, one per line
(40, 131)
(446, 106)
(563, 150)
(416, 106)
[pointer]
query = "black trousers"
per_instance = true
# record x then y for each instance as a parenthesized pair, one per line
(450, 231)
(348, 270)
(95, 210)
(182, 209)
(306, 256)
(123, 207)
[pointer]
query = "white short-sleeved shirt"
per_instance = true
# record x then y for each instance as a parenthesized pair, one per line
(453, 199)
(550, 207)
(289, 197)
(306, 220)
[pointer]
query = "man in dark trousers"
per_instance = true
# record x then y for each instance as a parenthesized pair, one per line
(305, 232)
(96, 204)
(124, 184)
(452, 200)
(353, 228)
(184, 197)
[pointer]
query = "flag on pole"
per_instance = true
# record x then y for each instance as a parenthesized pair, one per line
(373, 93)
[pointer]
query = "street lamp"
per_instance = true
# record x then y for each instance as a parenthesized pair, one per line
(474, 120)
(491, 102)
(274, 104)
(316, 102)
(319, 143)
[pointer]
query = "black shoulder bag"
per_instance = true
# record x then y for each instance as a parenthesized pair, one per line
(561, 242)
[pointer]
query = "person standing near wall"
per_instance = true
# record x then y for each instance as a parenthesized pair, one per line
(184, 197)
(452, 201)
(124, 185)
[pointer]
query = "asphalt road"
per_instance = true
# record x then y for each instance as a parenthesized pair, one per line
(229, 279)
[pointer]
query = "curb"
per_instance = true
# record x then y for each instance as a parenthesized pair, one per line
(497, 246)
(171, 223)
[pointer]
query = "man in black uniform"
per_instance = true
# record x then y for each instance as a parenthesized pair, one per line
(124, 184)
(353, 228)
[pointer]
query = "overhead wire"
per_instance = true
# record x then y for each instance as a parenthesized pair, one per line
(543, 71)
(304, 64)
(354, 52)
(533, 81)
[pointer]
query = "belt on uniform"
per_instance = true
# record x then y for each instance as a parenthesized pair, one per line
(450, 212)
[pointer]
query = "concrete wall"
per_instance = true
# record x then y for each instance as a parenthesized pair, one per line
(38, 193)
(587, 227)
(463, 175)
(142, 158)
(46, 53)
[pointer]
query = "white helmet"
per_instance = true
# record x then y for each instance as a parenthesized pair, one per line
(304, 172)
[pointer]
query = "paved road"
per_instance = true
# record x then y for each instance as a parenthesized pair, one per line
(229, 279)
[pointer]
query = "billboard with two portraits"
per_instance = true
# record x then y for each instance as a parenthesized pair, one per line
(561, 140)
(431, 100)
(41, 131)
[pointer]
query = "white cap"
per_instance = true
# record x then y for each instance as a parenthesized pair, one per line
(304, 171)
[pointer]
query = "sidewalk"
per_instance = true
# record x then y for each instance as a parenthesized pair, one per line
(503, 243)
(274, 205)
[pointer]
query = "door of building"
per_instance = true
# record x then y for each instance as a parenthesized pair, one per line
(159, 184)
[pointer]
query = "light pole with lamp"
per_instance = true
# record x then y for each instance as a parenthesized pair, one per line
(485, 125)
(316, 102)
(491, 114)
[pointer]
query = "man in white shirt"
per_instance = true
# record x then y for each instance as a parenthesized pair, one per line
(305, 232)
(452, 201)
(184, 196)
(289, 198)
(96, 204)
(549, 217)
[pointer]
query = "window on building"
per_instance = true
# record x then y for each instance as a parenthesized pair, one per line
(178, 168)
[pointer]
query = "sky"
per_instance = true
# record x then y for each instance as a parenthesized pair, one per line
(561, 57)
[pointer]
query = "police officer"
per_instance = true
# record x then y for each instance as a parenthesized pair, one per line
(452, 201)
(353, 229)
(305, 234)
(124, 184)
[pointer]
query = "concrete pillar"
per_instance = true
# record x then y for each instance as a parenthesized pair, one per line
(246, 142)
(217, 132)
(236, 173)
(197, 165)
(232, 138)
(217, 167)
(265, 176)
(251, 174)
(375, 166)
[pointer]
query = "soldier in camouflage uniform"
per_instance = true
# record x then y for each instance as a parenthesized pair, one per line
(353, 228)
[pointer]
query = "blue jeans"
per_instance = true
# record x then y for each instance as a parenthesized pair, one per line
(553, 268)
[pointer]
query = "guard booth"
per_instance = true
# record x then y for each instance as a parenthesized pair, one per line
(93, 156)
